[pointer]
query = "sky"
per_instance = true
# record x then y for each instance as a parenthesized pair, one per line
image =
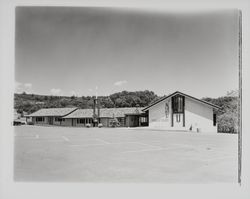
(83, 51)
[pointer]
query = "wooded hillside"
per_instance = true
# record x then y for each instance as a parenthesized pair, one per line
(228, 116)
(31, 102)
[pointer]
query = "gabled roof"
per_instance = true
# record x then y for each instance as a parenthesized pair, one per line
(119, 112)
(81, 113)
(52, 112)
(183, 94)
(104, 112)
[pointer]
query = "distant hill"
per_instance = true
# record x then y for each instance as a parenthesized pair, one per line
(32, 102)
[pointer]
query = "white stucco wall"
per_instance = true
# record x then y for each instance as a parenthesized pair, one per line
(196, 114)
(199, 116)
(157, 116)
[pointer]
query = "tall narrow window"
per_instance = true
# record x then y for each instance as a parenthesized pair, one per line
(178, 104)
(214, 119)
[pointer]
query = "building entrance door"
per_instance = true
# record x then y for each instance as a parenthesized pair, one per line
(50, 120)
(178, 119)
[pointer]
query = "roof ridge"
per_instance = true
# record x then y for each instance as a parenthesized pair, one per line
(178, 92)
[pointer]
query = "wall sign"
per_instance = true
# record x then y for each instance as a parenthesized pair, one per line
(167, 109)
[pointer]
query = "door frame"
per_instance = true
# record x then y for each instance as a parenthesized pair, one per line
(50, 120)
(181, 113)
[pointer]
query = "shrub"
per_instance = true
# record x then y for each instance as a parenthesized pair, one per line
(88, 125)
(114, 122)
(30, 123)
(100, 125)
(228, 123)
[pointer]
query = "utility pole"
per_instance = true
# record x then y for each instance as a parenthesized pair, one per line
(96, 114)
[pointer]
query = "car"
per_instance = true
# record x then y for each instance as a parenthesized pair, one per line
(19, 122)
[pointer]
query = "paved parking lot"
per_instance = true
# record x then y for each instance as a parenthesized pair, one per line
(64, 154)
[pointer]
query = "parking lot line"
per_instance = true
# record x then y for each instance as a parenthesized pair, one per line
(65, 138)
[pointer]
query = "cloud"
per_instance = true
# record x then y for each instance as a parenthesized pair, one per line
(56, 91)
(18, 86)
(73, 93)
(23, 87)
(120, 83)
(28, 85)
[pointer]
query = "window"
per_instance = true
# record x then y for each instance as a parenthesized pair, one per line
(143, 119)
(214, 119)
(80, 121)
(39, 119)
(58, 119)
(119, 119)
(85, 120)
(178, 118)
(178, 104)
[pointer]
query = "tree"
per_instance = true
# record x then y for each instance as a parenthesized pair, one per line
(227, 116)
(114, 122)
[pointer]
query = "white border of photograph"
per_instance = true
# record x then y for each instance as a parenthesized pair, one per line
(11, 190)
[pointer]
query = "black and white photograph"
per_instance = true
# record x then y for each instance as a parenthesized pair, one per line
(126, 95)
(121, 96)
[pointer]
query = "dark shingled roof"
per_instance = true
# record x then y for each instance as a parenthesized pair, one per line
(81, 113)
(52, 112)
(119, 112)
(105, 112)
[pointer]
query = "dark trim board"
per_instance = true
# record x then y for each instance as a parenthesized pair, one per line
(184, 99)
(172, 115)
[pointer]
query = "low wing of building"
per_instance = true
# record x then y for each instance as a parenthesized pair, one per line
(51, 116)
(127, 117)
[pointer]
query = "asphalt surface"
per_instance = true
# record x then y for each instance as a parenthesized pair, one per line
(64, 154)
